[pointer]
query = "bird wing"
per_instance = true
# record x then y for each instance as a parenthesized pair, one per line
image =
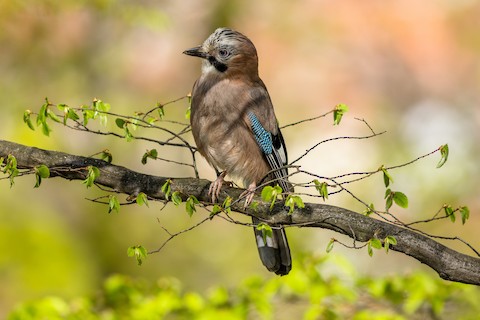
(273, 147)
(264, 126)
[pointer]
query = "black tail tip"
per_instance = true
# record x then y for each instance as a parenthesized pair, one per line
(283, 270)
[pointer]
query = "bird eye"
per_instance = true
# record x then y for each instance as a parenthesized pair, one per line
(223, 53)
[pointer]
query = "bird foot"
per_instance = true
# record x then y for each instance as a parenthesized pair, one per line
(249, 194)
(216, 186)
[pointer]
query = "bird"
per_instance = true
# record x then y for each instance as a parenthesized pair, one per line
(235, 129)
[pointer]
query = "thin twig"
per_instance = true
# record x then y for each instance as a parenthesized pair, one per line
(173, 235)
(161, 105)
(334, 139)
(306, 120)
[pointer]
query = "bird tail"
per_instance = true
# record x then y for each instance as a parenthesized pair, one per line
(274, 250)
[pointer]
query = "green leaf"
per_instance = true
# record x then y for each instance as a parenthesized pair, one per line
(188, 112)
(139, 252)
(10, 164)
(322, 188)
(107, 156)
(27, 119)
(42, 118)
(176, 198)
(338, 112)
(100, 108)
(448, 209)
(376, 243)
(373, 244)
(38, 181)
(387, 178)
(369, 210)
(134, 121)
(369, 249)
(190, 205)
(289, 202)
(270, 194)
(215, 210)
(330, 245)
(227, 203)
(68, 113)
(395, 196)
(452, 217)
(389, 241)
(64, 108)
(266, 231)
(144, 158)
(389, 199)
(267, 193)
(128, 134)
(13, 174)
(53, 116)
(293, 201)
(113, 203)
(166, 189)
(46, 129)
(152, 154)
(449, 212)
(444, 155)
(41, 171)
(42, 114)
(120, 122)
(92, 174)
(142, 199)
(465, 212)
(400, 199)
(151, 120)
(87, 114)
(161, 111)
(11, 168)
(71, 114)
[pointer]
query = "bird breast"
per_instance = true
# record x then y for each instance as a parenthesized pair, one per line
(223, 136)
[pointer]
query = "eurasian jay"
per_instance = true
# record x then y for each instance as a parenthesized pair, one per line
(235, 129)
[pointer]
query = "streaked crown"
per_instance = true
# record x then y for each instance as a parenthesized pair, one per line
(227, 51)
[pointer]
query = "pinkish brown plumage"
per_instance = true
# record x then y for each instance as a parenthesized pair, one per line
(235, 128)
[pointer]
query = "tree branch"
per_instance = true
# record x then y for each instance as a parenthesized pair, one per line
(449, 264)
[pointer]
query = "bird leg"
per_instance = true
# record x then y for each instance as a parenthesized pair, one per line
(248, 194)
(216, 186)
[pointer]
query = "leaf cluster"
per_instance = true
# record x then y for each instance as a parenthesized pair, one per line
(10, 168)
(308, 292)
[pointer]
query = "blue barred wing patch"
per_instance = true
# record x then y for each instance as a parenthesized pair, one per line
(274, 149)
(263, 137)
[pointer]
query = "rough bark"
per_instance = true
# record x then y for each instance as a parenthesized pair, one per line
(449, 264)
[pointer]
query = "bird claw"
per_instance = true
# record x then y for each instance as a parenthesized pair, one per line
(249, 194)
(216, 186)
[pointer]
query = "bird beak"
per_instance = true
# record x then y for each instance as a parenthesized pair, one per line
(196, 52)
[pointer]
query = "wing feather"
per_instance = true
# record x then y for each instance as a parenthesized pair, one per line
(273, 147)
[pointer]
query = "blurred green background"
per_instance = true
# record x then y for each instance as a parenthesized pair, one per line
(411, 68)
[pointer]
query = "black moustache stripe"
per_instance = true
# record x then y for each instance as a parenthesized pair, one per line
(222, 67)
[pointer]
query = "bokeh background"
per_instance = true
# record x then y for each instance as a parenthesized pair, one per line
(410, 68)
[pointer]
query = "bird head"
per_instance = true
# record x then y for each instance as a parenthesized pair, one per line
(227, 52)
